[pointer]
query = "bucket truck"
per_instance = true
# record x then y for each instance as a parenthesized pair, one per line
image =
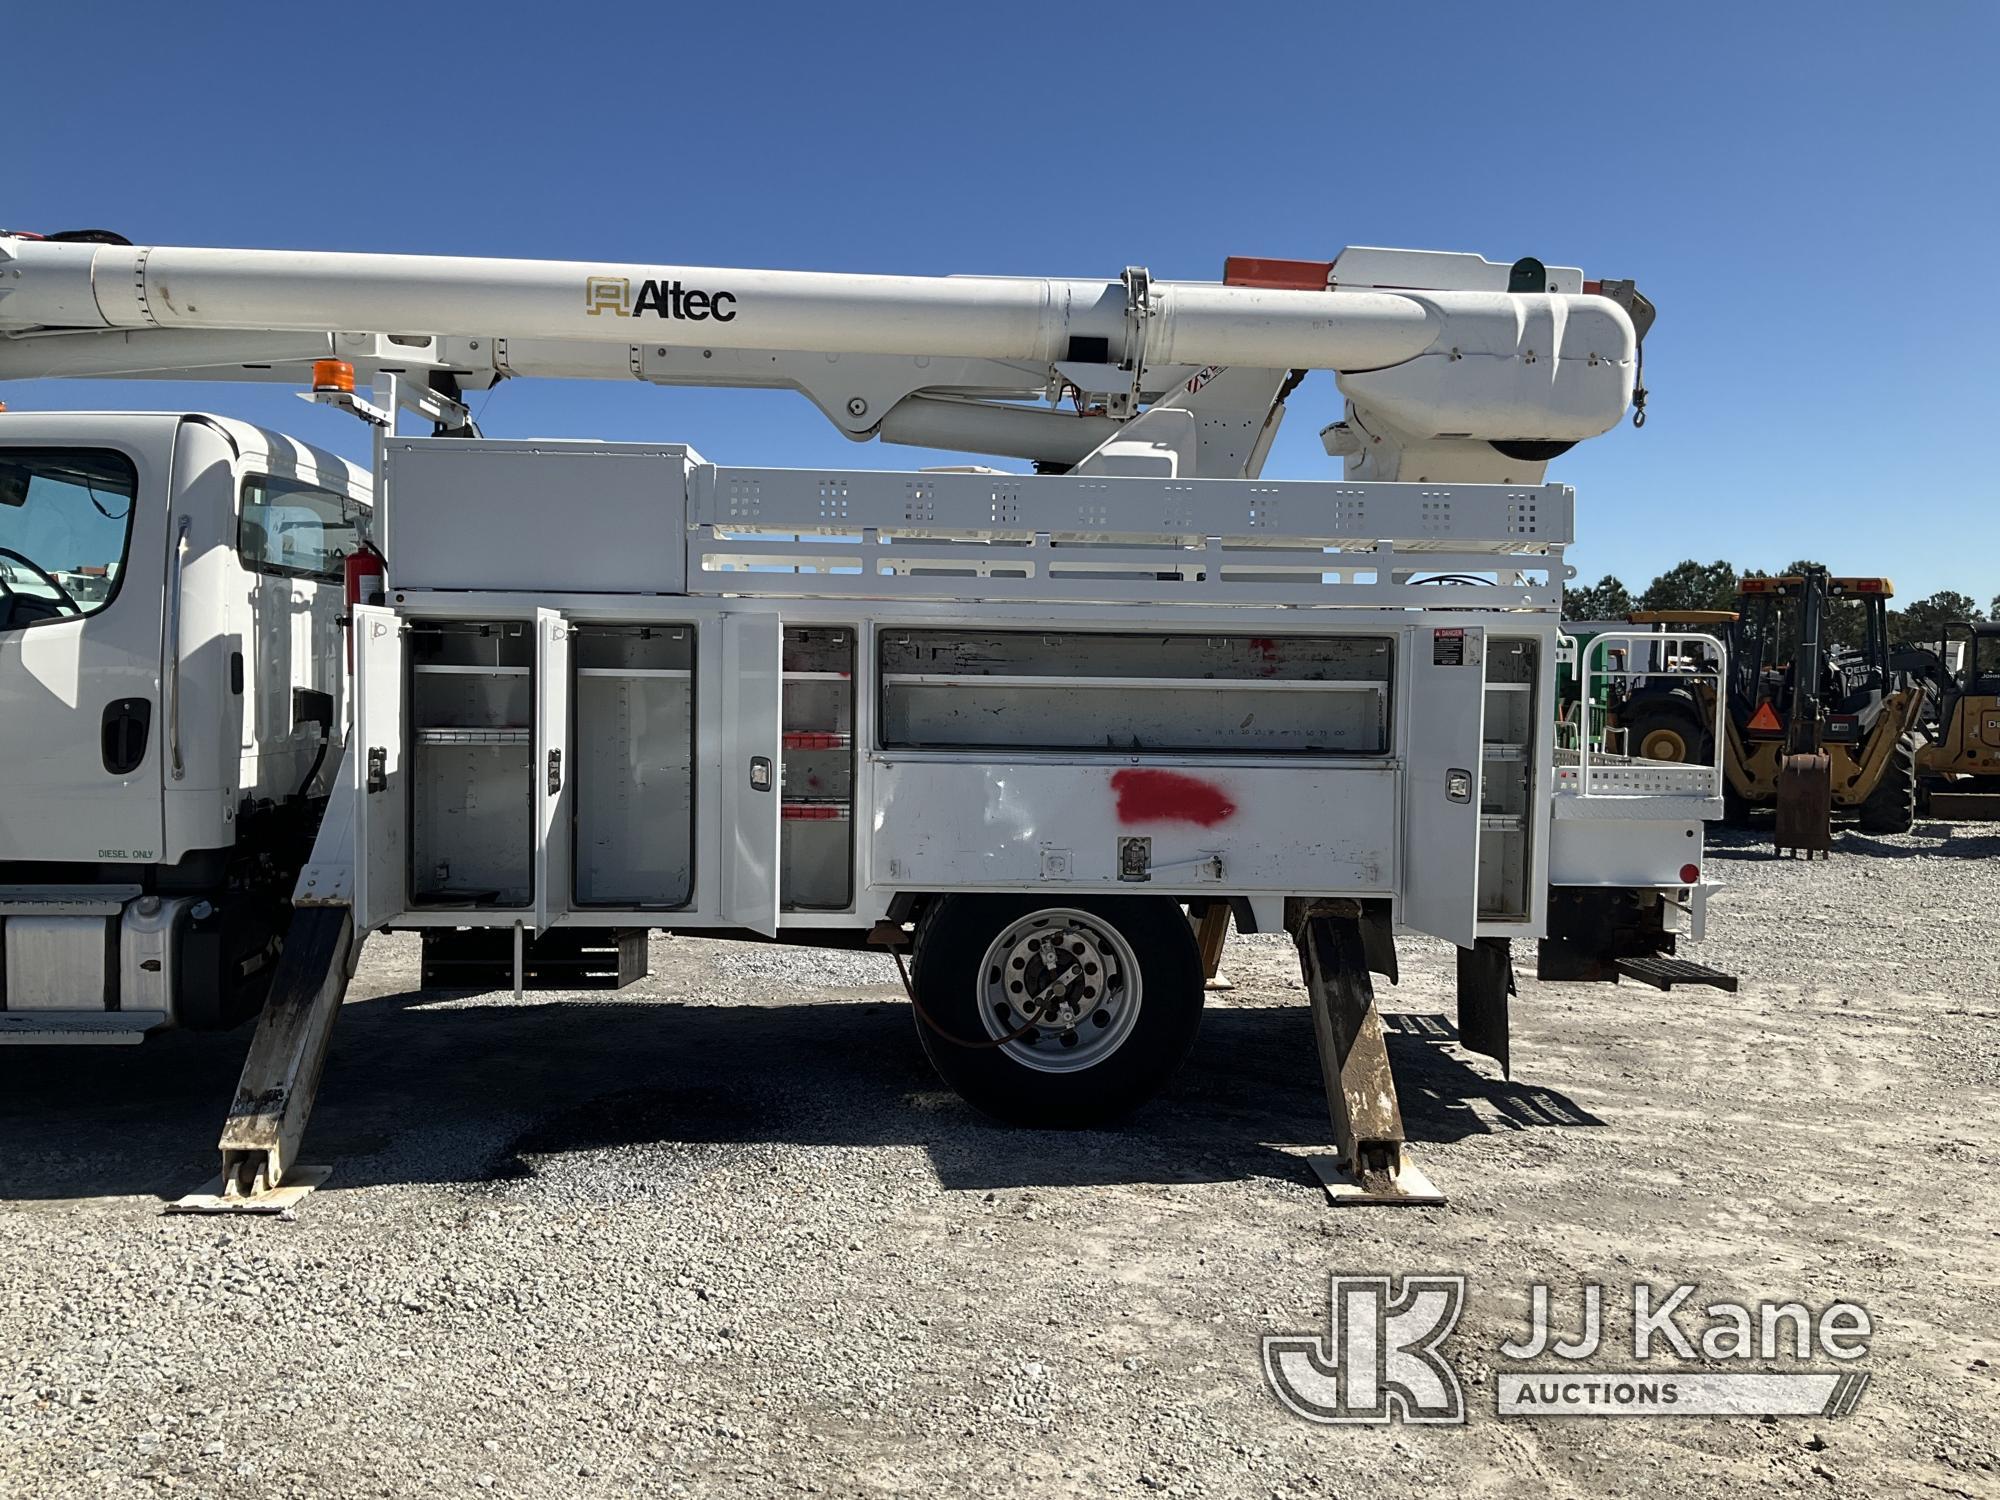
(1019, 728)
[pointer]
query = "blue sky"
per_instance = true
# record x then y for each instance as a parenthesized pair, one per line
(1807, 192)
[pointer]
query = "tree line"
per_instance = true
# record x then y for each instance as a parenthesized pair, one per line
(1698, 585)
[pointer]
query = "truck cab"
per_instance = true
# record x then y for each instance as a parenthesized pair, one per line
(171, 674)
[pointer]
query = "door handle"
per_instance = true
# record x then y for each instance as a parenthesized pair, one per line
(555, 772)
(173, 634)
(378, 768)
(760, 773)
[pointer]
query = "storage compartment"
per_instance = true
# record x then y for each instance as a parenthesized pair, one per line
(816, 828)
(471, 798)
(1506, 797)
(634, 749)
(1042, 690)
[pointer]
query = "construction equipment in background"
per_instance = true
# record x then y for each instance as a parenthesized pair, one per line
(1809, 682)
(1958, 768)
(1803, 793)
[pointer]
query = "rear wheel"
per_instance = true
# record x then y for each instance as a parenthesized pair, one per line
(1892, 806)
(1052, 1015)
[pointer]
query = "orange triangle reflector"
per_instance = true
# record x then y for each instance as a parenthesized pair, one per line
(1764, 718)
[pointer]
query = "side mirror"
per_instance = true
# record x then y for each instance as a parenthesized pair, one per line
(14, 481)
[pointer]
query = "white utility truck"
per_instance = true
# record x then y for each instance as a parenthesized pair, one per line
(1021, 726)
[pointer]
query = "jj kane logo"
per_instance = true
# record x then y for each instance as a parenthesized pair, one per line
(1380, 1359)
(663, 299)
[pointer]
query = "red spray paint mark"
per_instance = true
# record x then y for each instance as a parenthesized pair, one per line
(1267, 654)
(1169, 797)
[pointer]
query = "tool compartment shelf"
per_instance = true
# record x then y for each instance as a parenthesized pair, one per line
(471, 705)
(816, 743)
(634, 746)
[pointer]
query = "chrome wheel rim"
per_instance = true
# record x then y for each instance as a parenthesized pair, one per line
(1067, 977)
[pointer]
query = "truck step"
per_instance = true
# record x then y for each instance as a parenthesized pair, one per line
(65, 900)
(78, 1028)
(1663, 973)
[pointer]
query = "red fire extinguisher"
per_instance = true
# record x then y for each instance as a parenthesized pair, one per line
(365, 584)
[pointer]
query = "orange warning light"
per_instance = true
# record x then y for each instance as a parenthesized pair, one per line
(333, 375)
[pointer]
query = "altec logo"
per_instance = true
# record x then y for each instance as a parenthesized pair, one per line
(663, 299)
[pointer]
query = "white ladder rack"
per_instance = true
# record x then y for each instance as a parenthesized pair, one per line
(809, 532)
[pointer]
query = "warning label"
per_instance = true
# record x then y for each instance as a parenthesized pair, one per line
(1448, 648)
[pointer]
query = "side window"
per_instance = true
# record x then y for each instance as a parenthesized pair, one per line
(293, 528)
(65, 520)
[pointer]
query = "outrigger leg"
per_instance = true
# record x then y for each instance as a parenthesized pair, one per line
(1211, 933)
(274, 1096)
(1370, 1164)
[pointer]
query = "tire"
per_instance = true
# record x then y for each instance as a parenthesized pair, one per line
(1892, 806)
(1133, 996)
(1667, 731)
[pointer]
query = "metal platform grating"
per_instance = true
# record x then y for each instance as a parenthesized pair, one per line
(1663, 972)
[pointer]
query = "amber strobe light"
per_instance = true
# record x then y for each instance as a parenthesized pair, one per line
(333, 375)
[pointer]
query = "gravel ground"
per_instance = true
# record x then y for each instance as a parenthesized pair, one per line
(723, 1233)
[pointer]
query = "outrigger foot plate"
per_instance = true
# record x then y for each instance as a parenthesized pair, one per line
(1406, 1185)
(298, 1182)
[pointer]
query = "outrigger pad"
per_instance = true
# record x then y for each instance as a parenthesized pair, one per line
(1408, 1185)
(298, 1182)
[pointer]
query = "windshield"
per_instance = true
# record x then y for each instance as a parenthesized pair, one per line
(65, 516)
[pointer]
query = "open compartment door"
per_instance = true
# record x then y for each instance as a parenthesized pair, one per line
(554, 768)
(1445, 687)
(752, 687)
(377, 763)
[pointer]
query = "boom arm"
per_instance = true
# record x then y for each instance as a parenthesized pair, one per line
(1460, 356)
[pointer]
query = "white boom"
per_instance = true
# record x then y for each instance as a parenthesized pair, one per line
(115, 286)
(1456, 368)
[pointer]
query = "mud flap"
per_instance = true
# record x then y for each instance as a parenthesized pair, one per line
(1378, 939)
(1485, 984)
(1805, 805)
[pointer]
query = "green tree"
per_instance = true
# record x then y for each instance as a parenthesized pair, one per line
(1606, 599)
(1920, 623)
(1692, 585)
